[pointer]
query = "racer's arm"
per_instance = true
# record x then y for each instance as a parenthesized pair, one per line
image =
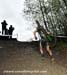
(35, 35)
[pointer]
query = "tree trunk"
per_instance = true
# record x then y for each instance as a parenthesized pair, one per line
(43, 16)
(65, 2)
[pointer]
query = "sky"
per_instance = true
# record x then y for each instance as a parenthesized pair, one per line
(11, 11)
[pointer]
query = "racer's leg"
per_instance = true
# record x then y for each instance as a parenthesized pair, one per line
(41, 48)
(49, 51)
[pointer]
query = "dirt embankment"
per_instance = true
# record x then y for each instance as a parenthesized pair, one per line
(19, 56)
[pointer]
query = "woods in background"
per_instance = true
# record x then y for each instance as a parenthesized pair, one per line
(52, 14)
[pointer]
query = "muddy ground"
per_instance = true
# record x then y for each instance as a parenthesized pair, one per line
(22, 58)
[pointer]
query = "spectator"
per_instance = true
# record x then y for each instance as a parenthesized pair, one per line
(4, 24)
(11, 29)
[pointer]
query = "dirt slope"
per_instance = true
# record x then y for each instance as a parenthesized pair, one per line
(16, 57)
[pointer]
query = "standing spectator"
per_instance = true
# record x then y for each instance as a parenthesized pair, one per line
(4, 24)
(11, 28)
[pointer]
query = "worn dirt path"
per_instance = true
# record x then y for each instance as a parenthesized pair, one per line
(24, 59)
